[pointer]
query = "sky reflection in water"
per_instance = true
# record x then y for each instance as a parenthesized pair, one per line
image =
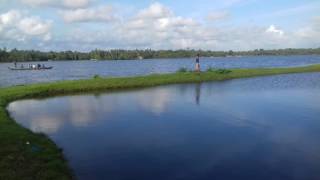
(259, 128)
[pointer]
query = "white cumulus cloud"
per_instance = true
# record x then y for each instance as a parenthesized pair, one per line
(9, 17)
(98, 14)
(33, 26)
(273, 29)
(76, 3)
(15, 25)
(58, 3)
(218, 15)
(156, 26)
(309, 36)
(155, 11)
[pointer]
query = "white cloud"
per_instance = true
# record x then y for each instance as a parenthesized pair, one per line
(33, 26)
(218, 16)
(155, 11)
(309, 36)
(47, 37)
(316, 23)
(306, 32)
(58, 3)
(156, 27)
(76, 3)
(102, 14)
(9, 17)
(17, 26)
(39, 2)
(274, 30)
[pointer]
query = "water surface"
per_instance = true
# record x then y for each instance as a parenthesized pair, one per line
(259, 128)
(70, 70)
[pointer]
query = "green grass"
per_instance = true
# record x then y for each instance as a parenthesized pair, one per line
(19, 161)
(182, 70)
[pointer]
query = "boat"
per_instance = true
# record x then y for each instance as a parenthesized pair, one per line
(21, 68)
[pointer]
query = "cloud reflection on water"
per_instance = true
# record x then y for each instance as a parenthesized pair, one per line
(155, 101)
(45, 124)
(49, 116)
(244, 125)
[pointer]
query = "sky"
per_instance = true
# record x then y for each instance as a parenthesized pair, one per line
(84, 25)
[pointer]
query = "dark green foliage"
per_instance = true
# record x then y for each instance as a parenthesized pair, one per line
(118, 54)
(210, 69)
(96, 76)
(223, 71)
(219, 71)
(182, 70)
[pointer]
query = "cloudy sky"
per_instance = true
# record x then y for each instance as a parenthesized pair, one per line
(164, 24)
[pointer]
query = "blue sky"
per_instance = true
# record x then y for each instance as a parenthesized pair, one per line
(164, 24)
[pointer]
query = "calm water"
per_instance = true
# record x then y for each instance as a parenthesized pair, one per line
(259, 128)
(69, 70)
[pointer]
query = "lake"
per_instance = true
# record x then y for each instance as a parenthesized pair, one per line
(70, 70)
(260, 128)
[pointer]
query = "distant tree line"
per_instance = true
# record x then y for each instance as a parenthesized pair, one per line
(118, 54)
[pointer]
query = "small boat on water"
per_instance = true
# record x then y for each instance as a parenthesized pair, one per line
(30, 68)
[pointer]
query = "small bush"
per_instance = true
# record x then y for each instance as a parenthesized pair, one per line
(210, 69)
(223, 71)
(96, 76)
(182, 70)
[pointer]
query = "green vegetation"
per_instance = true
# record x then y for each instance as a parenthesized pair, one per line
(25, 155)
(118, 54)
(210, 69)
(219, 71)
(223, 71)
(96, 76)
(181, 70)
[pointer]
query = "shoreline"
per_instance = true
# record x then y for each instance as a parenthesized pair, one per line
(24, 154)
(122, 54)
(159, 58)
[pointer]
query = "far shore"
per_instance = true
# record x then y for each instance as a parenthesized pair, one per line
(158, 58)
(121, 54)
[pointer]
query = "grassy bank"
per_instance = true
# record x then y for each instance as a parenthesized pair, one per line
(25, 155)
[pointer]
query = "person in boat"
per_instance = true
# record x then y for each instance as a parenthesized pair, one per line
(198, 63)
(39, 66)
(15, 64)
